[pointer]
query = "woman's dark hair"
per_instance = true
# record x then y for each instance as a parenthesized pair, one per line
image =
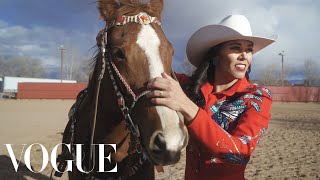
(205, 73)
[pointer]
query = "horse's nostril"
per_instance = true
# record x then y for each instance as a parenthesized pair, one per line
(160, 143)
(174, 156)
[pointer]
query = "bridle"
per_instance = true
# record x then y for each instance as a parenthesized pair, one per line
(107, 64)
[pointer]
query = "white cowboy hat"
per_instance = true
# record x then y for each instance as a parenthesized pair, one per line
(232, 27)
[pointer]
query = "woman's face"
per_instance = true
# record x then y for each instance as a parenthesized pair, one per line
(234, 59)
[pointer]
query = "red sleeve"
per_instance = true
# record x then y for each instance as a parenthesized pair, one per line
(237, 145)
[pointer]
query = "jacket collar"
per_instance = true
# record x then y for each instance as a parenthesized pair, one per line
(239, 86)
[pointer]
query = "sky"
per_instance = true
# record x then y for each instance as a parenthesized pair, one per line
(37, 28)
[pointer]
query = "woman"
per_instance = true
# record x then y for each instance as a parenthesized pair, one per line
(225, 115)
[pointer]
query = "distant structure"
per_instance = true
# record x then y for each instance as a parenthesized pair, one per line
(9, 84)
(1, 85)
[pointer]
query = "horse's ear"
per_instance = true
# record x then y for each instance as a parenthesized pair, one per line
(107, 8)
(156, 6)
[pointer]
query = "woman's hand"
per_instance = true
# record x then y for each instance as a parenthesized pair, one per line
(168, 92)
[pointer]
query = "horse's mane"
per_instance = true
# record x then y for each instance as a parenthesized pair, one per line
(132, 6)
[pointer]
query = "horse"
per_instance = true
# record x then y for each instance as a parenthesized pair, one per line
(113, 109)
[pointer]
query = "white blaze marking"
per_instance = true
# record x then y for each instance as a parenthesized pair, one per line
(149, 41)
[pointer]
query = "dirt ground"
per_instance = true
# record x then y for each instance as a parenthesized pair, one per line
(289, 149)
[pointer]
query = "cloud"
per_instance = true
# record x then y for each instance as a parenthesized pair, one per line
(7, 32)
(179, 26)
(294, 22)
(59, 14)
(43, 42)
(37, 29)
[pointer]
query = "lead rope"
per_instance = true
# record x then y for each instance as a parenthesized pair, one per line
(102, 50)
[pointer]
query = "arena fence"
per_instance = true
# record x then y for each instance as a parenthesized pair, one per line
(49, 90)
(295, 93)
(70, 91)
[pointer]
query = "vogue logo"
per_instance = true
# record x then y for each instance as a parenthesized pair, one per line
(53, 157)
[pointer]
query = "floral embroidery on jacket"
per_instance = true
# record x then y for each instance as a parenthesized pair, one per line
(232, 157)
(246, 139)
(259, 92)
(235, 159)
(256, 106)
(225, 112)
(251, 96)
(267, 91)
(213, 160)
(219, 147)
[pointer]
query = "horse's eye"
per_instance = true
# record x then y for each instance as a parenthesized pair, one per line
(118, 54)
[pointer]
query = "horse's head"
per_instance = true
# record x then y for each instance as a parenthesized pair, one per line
(140, 51)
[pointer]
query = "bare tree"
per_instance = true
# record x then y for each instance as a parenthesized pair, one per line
(310, 72)
(71, 64)
(287, 72)
(83, 70)
(270, 76)
(21, 67)
(75, 66)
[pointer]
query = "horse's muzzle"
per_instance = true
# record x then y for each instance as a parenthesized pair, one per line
(160, 154)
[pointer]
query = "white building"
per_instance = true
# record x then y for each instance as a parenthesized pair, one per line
(10, 84)
(1, 84)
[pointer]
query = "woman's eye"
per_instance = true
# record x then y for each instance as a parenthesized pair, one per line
(250, 50)
(235, 48)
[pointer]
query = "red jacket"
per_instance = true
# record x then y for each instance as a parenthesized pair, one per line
(224, 134)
